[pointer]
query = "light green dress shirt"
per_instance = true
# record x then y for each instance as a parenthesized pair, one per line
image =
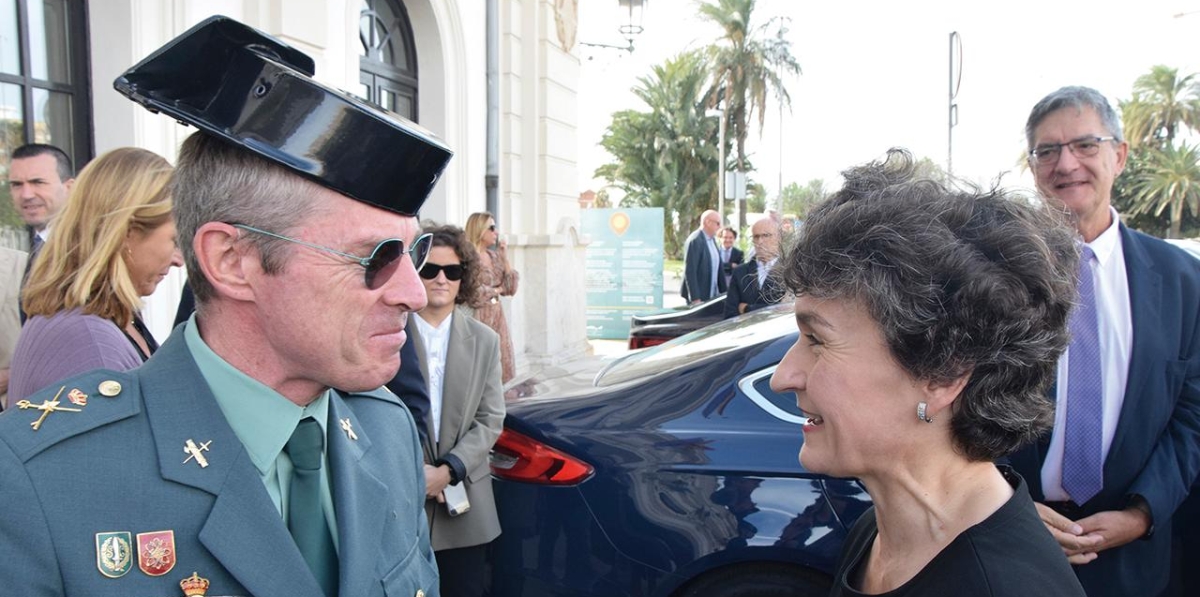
(264, 421)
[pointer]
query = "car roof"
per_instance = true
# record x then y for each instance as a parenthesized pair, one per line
(1191, 246)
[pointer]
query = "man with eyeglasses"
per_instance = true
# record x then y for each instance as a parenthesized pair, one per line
(466, 414)
(1126, 441)
(752, 287)
(256, 453)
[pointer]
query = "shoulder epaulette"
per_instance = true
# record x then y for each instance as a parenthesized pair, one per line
(66, 409)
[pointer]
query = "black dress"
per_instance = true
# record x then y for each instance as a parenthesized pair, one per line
(1009, 554)
(141, 328)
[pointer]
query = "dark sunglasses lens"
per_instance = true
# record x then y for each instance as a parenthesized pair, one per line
(453, 272)
(384, 262)
(420, 250)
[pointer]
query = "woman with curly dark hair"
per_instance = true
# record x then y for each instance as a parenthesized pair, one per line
(930, 322)
(460, 361)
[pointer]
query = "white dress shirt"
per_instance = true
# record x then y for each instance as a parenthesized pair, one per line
(763, 269)
(1116, 346)
(437, 342)
(715, 260)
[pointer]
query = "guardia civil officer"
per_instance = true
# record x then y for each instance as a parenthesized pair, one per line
(228, 464)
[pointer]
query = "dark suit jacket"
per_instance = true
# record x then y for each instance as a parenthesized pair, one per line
(409, 384)
(471, 419)
(1155, 452)
(736, 258)
(743, 288)
(698, 271)
(118, 465)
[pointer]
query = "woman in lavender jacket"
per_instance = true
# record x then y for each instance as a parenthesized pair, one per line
(111, 245)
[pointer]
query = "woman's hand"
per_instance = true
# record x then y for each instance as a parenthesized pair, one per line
(436, 480)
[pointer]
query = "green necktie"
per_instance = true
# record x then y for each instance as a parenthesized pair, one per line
(306, 519)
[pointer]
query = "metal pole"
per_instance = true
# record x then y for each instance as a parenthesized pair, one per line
(491, 178)
(721, 171)
(955, 80)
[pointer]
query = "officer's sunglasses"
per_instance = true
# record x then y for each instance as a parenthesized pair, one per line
(383, 262)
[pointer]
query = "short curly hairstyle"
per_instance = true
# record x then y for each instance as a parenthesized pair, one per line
(452, 236)
(960, 281)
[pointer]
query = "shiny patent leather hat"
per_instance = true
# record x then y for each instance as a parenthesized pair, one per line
(257, 92)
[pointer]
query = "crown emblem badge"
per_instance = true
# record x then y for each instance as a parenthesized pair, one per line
(194, 585)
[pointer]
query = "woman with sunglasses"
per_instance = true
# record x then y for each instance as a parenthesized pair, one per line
(465, 418)
(495, 279)
(112, 244)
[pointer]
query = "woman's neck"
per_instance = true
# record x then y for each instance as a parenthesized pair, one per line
(920, 511)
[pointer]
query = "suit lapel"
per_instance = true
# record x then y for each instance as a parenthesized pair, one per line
(455, 387)
(419, 347)
(360, 530)
(1145, 301)
(180, 407)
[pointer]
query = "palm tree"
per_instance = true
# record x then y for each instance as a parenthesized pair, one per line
(666, 157)
(1162, 104)
(744, 64)
(1170, 182)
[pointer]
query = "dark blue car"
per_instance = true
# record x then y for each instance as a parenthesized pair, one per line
(670, 471)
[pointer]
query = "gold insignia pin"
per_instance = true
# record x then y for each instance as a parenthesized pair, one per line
(349, 430)
(110, 388)
(194, 585)
(193, 451)
(47, 407)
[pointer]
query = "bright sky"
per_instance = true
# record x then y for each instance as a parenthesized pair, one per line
(876, 74)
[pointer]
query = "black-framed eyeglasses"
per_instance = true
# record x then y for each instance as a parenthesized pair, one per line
(381, 264)
(1083, 147)
(454, 271)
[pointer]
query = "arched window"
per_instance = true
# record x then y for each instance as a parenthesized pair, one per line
(388, 57)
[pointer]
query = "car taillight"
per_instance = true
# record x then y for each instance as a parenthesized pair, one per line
(636, 343)
(516, 457)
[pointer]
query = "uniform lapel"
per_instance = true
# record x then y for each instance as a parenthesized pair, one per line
(455, 387)
(180, 407)
(360, 530)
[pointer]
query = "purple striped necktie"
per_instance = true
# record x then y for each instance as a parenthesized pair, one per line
(1083, 465)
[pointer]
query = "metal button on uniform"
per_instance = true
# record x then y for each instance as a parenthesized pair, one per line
(420, 593)
(110, 388)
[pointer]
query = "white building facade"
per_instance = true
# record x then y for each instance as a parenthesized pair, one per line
(424, 59)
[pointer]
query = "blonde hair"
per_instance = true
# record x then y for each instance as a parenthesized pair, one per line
(477, 223)
(124, 190)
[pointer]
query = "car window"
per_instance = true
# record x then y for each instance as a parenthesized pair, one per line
(757, 387)
(761, 326)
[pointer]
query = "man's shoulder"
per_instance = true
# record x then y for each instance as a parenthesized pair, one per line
(745, 269)
(1162, 253)
(70, 408)
(12, 261)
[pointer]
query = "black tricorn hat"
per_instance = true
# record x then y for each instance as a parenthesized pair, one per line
(257, 92)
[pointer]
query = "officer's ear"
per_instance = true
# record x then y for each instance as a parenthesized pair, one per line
(228, 262)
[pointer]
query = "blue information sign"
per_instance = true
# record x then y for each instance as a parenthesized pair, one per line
(624, 267)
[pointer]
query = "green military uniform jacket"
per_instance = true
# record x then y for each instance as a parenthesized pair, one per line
(148, 452)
